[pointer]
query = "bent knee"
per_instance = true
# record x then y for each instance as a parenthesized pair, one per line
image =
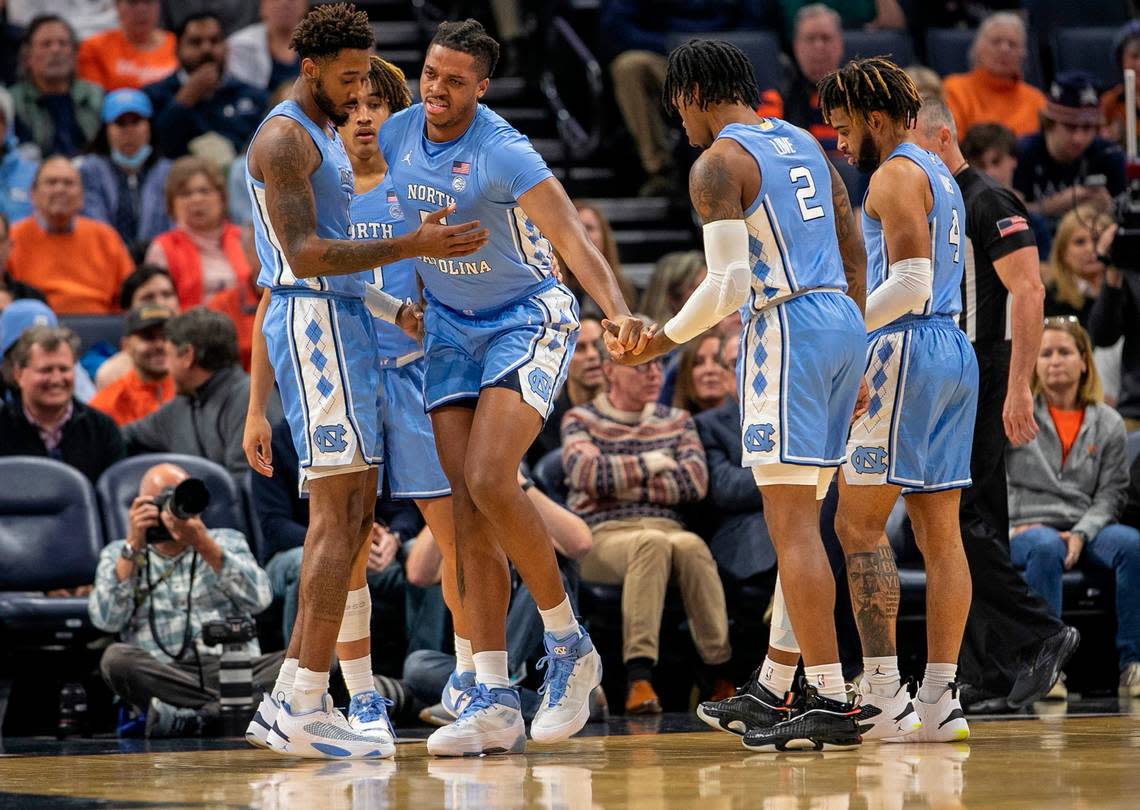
(688, 546)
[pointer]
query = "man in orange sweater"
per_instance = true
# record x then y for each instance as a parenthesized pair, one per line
(135, 54)
(147, 385)
(78, 263)
(994, 92)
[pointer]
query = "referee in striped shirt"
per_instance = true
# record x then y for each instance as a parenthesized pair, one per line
(1014, 648)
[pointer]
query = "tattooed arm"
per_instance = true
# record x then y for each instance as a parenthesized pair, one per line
(851, 247)
(284, 156)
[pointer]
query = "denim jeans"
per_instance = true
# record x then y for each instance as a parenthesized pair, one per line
(1040, 554)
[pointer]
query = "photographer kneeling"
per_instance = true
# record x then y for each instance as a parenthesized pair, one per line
(157, 589)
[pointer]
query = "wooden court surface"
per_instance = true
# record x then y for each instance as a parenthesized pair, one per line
(1064, 762)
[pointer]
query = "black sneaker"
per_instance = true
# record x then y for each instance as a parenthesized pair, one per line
(753, 706)
(1035, 681)
(819, 724)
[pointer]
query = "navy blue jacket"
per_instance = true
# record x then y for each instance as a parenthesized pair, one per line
(234, 111)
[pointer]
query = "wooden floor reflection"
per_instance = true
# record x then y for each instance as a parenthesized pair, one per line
(1083, 762)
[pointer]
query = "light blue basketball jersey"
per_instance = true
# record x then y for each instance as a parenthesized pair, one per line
(484, 171)
(791, 225)
(947, 217)
(377, 215)
(332, 183)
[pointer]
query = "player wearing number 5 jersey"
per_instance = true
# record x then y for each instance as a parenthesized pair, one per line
(916, 435)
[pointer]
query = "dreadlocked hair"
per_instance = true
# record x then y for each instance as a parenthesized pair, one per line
(863, 86)
(469, 37)
(389, 83)
(707, 71)
(327, 29)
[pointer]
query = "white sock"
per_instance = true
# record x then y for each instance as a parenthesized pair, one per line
(828, 681)
(309, 690)
(283, 686)
(491, 668)
(357, 674)
(882, 673)
(936, 681)
(463, 660)
(776, 678)
(559, 620)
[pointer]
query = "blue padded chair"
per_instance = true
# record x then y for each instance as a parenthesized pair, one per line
(1048, 16)
(1133, 446)
(1088, 50)
(255, 538)
(94, 328)
(893, 44)
(550, 476)
(761, 47)
(948, 51)
(119, 485)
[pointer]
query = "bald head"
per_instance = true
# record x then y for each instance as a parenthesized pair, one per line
(159, 477)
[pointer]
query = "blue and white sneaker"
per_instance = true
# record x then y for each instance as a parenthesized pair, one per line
(491, 722)
(573, 670)
(368, 716)
(257, 732)
(453, 690)
(324, 733)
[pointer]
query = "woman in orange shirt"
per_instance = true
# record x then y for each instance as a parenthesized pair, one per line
(133, 55)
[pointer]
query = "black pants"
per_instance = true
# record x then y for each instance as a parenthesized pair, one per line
(1007, 621)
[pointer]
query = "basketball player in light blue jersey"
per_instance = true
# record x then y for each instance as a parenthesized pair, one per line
(321, 342)
(915, 437)
(780, 244)
(499, 332)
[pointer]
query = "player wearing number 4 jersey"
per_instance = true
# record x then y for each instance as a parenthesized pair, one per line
(780, 244)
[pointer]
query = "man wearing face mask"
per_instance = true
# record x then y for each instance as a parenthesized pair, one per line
(123, 177)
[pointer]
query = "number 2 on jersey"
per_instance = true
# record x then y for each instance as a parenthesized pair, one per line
(805, 193)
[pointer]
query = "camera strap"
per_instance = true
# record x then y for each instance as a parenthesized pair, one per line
(187, 632)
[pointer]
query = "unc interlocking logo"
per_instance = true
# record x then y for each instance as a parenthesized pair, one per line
(330, 438)
(540, 383)
(869, 459)
(459, 183)
(758, 438)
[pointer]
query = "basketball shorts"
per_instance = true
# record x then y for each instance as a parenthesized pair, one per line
(525, 346)
(797, 381)
(922, 377)
(324, 354)
(410, 459)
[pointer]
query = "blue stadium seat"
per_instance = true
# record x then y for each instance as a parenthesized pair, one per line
(1047, 16)
(1087, 49)
(94, 328)
(119, 485)
(948, 51)
(255, 538)
(550, 476)
(893, 44)
(761, 47)
(1133, 446)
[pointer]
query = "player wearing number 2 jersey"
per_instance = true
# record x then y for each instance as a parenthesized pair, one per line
(915, 437)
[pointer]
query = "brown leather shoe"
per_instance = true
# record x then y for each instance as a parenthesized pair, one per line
(641, 699)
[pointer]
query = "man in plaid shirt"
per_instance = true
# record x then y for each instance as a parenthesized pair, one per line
(144, 592)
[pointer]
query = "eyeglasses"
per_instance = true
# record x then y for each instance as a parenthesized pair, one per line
(644, 368)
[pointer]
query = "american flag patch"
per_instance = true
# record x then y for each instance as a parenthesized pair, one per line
(460, 167)
(392, 198)
(1011, 225)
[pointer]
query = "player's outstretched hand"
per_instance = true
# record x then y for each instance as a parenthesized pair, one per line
(256, 441)
(411, 320)
(862, 401)
(631, 343)
(440, 241)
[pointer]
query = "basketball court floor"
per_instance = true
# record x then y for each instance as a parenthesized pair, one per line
(1087, 757)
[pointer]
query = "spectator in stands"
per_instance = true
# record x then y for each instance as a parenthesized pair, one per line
(17, 167)
(160, 666)
(1074, 274)
(147, 385)
(10, 289)
(147, 286)
(602, 236)
(87, 17)
(47, 419)
(77, 262)
(134, 54)
(1115, 317)
(1067, 164)
(234, 14)
(10, 36)
(123, 177)
(203, 252)
(870, 14)
(675, 277)
(630, 464)
(817, 45)
(239, 303)
(584, 381)
(54, 110)
(633, 38)
(260, 54)
(994, 91)
(21, 314)
(928, 82)
(703, 382)
(207, 416)
(1067, 487)
(1126, 48)
(199, 99)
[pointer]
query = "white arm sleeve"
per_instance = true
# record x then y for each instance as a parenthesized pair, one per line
(906, 290)
(725, 288)
(382, 305)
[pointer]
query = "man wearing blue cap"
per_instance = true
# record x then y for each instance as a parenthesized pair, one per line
(1067, 164)
(123, 177)
(16, 318)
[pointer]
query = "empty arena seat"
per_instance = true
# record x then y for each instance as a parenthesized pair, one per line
(550, 476)
(1133, 446)
(948, 51)
(1047, 16)
(895, 45)
(254, 538)
(93, 328)
(119, 485)
(1088, 50)
(761, 47)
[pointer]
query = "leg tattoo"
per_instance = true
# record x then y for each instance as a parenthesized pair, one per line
(874, 582)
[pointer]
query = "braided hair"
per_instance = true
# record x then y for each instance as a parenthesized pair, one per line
(709, 71)
(863, 86)
(388, 82)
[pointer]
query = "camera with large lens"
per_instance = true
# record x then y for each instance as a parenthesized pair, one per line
(1125, 250)
(187, 500)
(235, 673)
